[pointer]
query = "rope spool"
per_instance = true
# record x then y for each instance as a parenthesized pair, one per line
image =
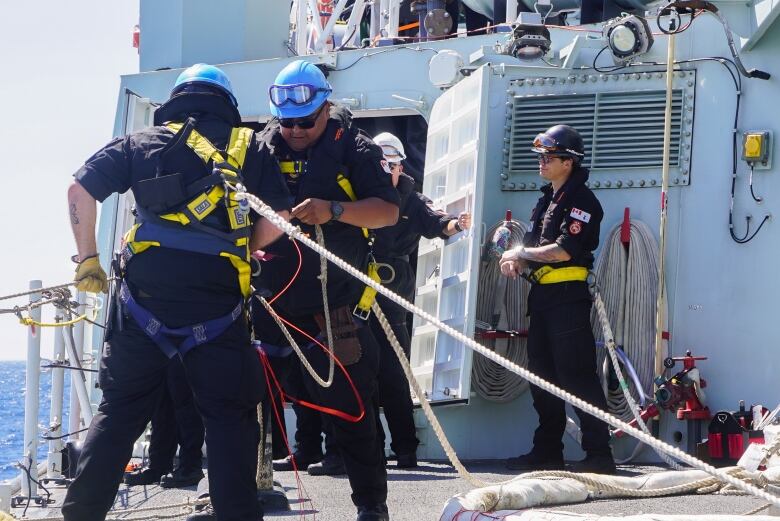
(496, 293)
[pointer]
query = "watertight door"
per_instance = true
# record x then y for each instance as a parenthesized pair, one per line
(447, 270)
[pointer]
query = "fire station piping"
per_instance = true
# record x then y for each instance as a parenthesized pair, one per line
(295, 232)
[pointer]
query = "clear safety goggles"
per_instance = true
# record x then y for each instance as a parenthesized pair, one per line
(299, 94)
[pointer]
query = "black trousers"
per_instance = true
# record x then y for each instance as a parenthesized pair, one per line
(358, 443)
(393, 393)
(176, 422)
(562, 350)
(227, 382)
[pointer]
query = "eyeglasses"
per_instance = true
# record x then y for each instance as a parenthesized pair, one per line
(299, 94)
(306, 123)
(393, 165)
(547, 158)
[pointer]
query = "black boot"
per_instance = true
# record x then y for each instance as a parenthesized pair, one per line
(534, 461)
(407, 461)
(596, 463)
(182, 478)
(302, 461)
(331, 465)
(144, 477)
(373, 513)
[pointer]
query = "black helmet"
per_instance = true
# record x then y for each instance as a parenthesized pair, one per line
(561, 140)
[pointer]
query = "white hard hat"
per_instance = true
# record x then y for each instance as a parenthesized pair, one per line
(392, 147)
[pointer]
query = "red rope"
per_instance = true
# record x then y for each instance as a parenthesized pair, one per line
(301, 489)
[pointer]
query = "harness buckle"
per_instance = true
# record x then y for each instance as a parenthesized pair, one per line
(360, 313)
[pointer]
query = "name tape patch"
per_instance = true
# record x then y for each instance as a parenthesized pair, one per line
(580, 215)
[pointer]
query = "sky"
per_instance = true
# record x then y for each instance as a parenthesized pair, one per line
(61, 65)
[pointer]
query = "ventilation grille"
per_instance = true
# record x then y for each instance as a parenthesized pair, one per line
(621, 130)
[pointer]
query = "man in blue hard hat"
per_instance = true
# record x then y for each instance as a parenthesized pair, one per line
(184, 280)
(339, 182)
(558, 252)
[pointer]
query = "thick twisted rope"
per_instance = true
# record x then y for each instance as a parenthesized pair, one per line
(295, 232)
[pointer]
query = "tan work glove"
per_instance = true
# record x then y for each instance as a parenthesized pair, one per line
(90, 276)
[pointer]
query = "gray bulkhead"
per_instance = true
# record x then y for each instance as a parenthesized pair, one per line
(721, 294)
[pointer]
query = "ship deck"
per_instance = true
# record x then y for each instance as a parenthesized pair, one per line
(414, 495)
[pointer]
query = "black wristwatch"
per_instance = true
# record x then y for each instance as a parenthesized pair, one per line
(336, 210)
(457, 226)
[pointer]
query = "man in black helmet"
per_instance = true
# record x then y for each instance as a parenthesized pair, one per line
(184, 280)
(558, 252)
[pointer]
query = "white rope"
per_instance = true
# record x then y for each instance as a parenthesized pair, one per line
(186, 507)
(494, 292)
(295, 232)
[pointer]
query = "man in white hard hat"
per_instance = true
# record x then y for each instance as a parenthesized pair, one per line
(392, 247)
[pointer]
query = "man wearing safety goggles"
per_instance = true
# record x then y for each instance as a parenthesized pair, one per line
(338, 180)
(394, 245)
(558, 253)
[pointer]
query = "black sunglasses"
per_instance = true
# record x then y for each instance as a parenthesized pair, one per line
(303, 123)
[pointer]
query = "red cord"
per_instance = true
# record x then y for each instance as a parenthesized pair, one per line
(295, 275)
(301, 489)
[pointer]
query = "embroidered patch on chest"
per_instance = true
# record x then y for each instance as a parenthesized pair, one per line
(580, 215)
(575, 227)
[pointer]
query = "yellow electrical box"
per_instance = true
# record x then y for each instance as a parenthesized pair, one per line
(755, 147)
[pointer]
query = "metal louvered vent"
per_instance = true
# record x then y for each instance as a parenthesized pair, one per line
(620, 129)
(623, 132)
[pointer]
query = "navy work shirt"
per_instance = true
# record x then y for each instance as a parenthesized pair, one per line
(179, 287)
(344, 149)
(570, 218)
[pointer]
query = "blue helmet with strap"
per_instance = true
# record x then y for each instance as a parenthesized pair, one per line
(298, 90)
(203, 74)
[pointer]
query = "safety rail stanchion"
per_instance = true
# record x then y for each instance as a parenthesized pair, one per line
(295, 232)
(80, 382)
(31, 397)
(74, 412)
(54, 458)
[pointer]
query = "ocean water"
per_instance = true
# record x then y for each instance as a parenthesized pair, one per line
(12, 383)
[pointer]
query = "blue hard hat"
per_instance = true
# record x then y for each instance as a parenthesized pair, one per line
(204, 74)
(298, 90)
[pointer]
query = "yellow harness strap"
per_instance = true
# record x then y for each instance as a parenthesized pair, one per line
(202, 206)
(363, 308)
(347, 187)
(550, 275)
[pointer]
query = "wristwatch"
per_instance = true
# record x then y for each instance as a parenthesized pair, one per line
(336, 210)
(457, 225)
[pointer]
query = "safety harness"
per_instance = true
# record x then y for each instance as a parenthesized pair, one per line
(363, 308)
(175, 216)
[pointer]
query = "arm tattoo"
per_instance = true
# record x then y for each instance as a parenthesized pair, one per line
(74, 218)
